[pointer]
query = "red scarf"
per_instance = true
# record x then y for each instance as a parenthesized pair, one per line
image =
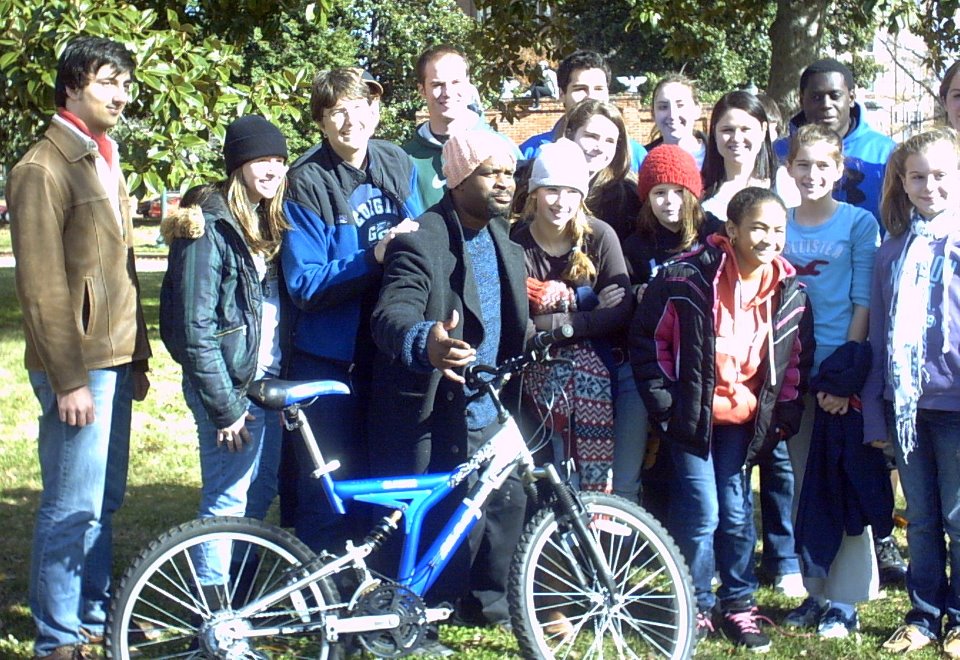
(103, 142)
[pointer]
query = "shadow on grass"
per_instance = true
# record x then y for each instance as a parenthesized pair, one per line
(147, 512)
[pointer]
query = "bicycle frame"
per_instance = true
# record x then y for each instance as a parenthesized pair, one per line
(416, 496)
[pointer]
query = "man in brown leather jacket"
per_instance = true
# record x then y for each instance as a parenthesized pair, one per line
(86, 343)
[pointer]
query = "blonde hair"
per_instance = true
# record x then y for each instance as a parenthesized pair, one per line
(580, 267)
(263, 225)
(692, 218)
(896, 209)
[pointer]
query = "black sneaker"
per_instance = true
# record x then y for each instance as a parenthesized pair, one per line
(893, 570)
(740, 627)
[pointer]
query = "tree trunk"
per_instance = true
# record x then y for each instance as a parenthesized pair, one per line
(795, 43)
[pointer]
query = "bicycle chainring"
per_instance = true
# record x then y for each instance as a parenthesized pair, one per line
(391, 598)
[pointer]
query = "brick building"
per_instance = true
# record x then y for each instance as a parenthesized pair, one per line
(529, 122)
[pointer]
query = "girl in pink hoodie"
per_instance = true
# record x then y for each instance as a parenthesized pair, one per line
(720, 346)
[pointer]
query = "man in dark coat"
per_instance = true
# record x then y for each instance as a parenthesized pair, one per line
(453, 293)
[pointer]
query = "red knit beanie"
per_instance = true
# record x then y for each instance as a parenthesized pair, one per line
(668, 163)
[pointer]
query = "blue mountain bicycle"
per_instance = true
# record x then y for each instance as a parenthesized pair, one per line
(594, 576)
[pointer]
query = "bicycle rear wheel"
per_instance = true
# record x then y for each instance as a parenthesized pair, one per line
(163, 609)
(560, 608)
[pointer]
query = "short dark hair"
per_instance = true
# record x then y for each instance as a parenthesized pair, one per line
(581, 59)
(82, 58)
(827, 65)
(748, 199)
(436, 52)
(334, 84)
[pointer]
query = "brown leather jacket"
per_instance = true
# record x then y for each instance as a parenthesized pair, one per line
(75, 273)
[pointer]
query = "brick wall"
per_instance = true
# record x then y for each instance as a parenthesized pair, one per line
(533, 122)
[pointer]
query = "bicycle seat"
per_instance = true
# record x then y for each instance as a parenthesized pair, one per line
(277, 394)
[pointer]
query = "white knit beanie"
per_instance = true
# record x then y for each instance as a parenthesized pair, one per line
(561, 164)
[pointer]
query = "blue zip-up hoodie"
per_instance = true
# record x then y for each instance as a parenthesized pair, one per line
(865, 152)
(325, 271)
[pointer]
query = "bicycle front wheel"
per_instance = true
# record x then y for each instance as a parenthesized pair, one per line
(168, 607)
(560, 607)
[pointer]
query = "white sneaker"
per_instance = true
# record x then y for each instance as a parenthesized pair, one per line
(790, 585)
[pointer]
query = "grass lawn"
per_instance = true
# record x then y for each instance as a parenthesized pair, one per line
(145, 232)
(163, 491)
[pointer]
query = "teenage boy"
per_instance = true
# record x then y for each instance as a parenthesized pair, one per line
(443, 79)
(583, 74)
(86, 342)
(347, 198)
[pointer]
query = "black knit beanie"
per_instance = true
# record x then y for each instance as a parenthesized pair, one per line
(251, 137)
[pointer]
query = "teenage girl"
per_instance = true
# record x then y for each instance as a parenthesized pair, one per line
(218, 318)
(739, 153)
(676, 112)
(576, 275)
(720, 347)
(832, 245)
(950, 95)
(598, 128)
(914, 387)
(670, 223)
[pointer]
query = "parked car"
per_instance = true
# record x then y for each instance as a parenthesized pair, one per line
(152, 208)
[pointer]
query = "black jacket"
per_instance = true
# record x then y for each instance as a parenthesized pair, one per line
(210, 306)
(425, 279)
(672, 354)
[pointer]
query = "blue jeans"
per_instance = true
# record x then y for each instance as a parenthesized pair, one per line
(84, 471)
(630, 436)
(930, 477)
(711, 513)
(779, 556)
(241, 483)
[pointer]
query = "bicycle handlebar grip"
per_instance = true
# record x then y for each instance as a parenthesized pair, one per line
(542, 340)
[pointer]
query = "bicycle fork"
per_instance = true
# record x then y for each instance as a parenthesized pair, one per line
(574, 514)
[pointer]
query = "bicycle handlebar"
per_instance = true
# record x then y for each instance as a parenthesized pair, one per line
(536, 351)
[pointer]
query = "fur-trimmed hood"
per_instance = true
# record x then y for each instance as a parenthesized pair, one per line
(187, 222)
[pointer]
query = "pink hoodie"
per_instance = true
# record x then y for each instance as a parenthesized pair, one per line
(744, 334)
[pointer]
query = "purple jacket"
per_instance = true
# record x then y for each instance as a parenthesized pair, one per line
(942, 390)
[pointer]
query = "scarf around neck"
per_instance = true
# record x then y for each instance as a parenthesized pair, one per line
(911, 315)
(104, 144)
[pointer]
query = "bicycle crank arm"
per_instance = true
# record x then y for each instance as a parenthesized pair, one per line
(360, 624)
(438, 613)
